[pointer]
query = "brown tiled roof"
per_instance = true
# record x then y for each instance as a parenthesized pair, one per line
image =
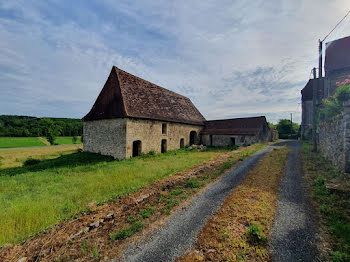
(126, 95)
(337, 54)
(236, 126)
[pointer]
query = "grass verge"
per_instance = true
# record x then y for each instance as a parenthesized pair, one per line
(333, 204)
(131, 217)
(238, 230)
(34, 197)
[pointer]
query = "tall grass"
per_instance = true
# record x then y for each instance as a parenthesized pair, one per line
(35, 197)
(15, 157)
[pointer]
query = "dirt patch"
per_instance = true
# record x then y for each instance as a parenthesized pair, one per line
(104, 230)
(238, 230)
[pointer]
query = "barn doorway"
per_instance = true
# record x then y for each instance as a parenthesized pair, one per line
(193, 137)
(163, 146)
(136, 148)
(182, 143)
(233, 141)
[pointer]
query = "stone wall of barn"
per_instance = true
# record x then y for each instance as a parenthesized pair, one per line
(106, 137)
(149, 132)
(228, 140)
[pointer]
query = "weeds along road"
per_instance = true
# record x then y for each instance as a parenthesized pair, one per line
(179, 233)
(293, 233)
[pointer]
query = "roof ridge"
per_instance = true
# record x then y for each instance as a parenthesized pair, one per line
(235, 118)
(121, 91)
(339, 39)
(118, 69)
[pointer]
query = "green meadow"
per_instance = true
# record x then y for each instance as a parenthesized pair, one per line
(13, 142)
(35, 197)
(66, 140)
(8, 142)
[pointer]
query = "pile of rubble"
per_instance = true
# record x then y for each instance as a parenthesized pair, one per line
(197, 147)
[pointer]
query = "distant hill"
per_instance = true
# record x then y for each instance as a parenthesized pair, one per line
(28, 126)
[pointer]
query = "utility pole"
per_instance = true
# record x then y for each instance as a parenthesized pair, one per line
(320, 60)
(314, 100)
(291, 124)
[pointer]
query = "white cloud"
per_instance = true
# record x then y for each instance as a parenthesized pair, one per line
(231, 58)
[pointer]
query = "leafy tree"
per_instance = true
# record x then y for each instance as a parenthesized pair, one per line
(33, 126)
(51, 130)
(287, 130)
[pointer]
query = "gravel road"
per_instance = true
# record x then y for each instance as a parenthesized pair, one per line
(293, 233)
(179, 233)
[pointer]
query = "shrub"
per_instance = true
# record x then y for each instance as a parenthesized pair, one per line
(333, 106)
(31, 161)
(124, 233)
(255, 234)
(74, 139)
(136, 227)
(339, 257)
(342, 94)
(147, 212)
(127, 232)
(192, 183)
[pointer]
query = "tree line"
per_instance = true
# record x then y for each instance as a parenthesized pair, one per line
(27, 126)
(286, 129)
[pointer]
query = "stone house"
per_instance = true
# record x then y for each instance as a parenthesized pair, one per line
(237, 131)
(337, 73)
(132, 116)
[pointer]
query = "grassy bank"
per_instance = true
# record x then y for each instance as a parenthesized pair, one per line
(35, 197)
(333, 204)
(239, 229)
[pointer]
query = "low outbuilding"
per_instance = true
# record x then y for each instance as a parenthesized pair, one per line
(236, 131)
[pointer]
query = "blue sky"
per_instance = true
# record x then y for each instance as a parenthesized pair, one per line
(232, 58)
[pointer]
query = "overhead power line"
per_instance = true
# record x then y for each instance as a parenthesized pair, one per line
(336, 26)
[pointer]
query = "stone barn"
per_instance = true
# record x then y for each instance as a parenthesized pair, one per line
(132, 116)
(237, 131)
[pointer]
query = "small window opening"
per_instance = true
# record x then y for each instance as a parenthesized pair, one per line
(211, 139)
(163, 146)
(164, 129)
(182, 143)
(233, 141)
(136, 148)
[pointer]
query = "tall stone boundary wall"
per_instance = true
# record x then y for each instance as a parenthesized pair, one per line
(331, 141)
(334, 139)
